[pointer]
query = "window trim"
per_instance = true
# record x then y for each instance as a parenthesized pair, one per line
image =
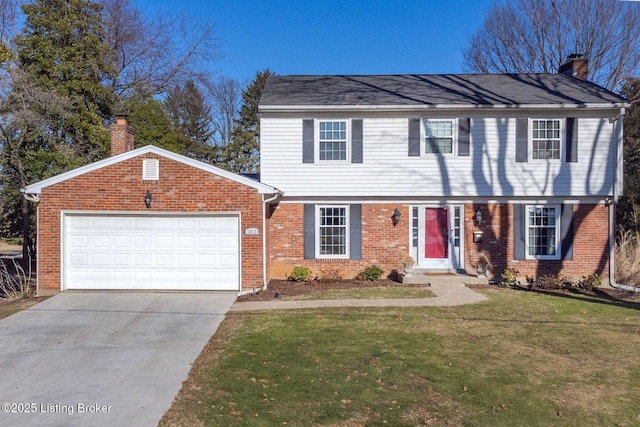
(558, 236)
(563, 142)
(347, 226)
(423, 136)
(316, 141)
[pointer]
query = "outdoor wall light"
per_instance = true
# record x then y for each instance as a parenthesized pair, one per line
(395, 218)
(147, 199)
(478, 216)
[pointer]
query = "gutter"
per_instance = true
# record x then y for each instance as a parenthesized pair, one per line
(612, 232)
(285, 108)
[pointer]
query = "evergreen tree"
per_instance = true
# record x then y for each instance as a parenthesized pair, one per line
(189, 112)
(152, 125)
(61, 48)
(243, 154)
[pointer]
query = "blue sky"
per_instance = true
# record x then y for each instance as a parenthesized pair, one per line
(336, 37)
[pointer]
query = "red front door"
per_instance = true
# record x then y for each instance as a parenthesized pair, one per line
(436, 233)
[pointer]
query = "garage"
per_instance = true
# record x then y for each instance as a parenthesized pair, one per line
(161, 251)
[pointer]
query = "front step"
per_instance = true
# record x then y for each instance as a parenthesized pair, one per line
(429, 277)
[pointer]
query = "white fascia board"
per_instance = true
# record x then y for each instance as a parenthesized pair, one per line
(37, 187)
(402, 108)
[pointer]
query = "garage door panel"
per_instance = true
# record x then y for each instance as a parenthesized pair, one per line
(147, 252)
(98, 258)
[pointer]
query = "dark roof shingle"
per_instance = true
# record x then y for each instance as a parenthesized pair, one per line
(435, 89)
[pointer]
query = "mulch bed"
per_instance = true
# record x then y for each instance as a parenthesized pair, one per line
(288, 288)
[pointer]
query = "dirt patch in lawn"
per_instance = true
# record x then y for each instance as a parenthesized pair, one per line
(288, 288)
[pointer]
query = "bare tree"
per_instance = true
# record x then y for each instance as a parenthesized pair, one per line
(225, 98)
(8, 19)
(25, 131)
(523, 36)
(155, 54)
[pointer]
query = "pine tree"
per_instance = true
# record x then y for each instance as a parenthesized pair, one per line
(188, 112)
(152, 125)
(243, 154)
(62, 48)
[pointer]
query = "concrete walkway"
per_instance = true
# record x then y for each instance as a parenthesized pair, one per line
(449, 293)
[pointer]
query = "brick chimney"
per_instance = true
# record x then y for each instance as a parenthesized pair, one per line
(121, 135)
(576, 65)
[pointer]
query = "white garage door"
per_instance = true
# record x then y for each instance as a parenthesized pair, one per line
(151, 252)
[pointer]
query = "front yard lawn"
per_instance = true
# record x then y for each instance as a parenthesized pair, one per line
(519, 359)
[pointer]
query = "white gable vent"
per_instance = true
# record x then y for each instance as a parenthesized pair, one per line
(150, 169)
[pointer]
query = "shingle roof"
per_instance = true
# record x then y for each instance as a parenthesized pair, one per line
(433, 90)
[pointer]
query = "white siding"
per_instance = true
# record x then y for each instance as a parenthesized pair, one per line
(388, 171)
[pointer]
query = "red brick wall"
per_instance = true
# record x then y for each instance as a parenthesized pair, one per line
(590, 243)
(120, 187)
(386, 246)
(382, 244)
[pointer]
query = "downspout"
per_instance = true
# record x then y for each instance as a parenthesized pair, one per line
(264, 237)
(618, 177)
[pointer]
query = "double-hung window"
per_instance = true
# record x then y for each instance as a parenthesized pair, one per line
(332, 140)
(332, 231)
(546, 138)
(439, 136)
(543, 232)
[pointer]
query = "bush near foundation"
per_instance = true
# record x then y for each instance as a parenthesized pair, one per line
(300, 274)
(372, 272)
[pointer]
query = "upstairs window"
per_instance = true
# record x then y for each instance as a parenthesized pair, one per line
(332, 140)
(545, 139)
(438, 136)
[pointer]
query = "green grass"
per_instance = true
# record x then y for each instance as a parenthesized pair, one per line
(367, 293)
(520, 359)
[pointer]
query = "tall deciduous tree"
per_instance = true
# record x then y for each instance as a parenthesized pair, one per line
(62, 48)
(628, 212)
(524, 36)
(226, 95)
(8, 19)
(156, 54)
(28, 148)
(243, 154)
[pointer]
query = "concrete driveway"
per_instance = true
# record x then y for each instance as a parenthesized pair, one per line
(102, 359)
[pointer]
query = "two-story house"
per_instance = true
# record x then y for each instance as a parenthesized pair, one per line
(465, 173)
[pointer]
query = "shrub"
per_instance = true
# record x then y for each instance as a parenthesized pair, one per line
(328, 274)
(14, 281)
(509, 277)
(300, 274)
(372, 272)
(627, 258)
(554, 282)
(589, 282)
